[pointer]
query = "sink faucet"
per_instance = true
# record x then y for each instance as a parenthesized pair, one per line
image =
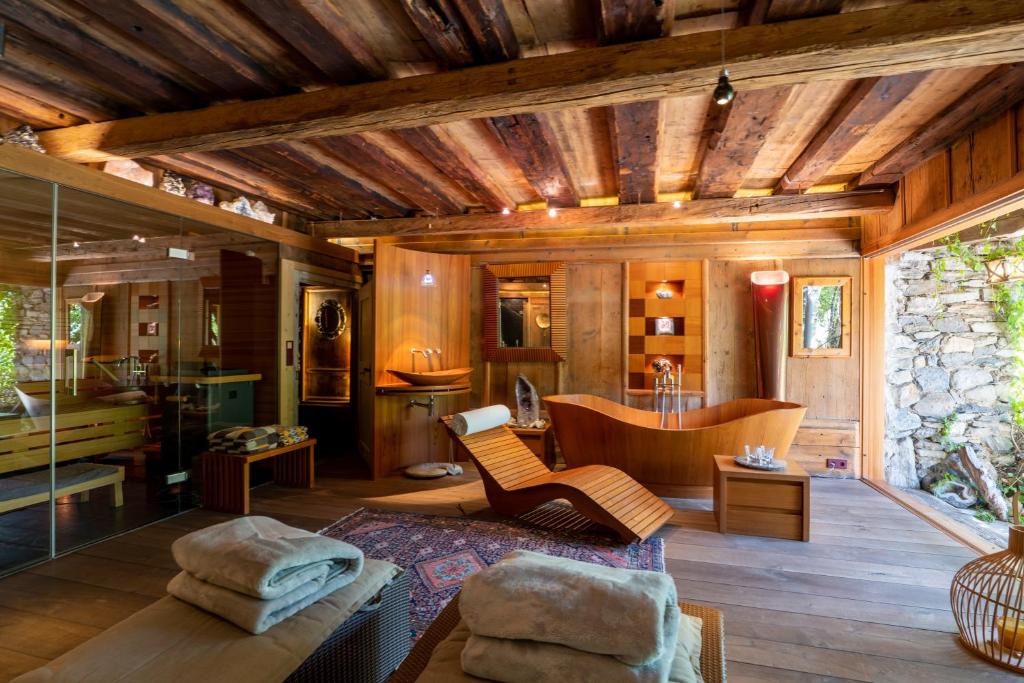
(426, 354)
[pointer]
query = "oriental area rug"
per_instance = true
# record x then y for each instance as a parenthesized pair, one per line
(439, 552)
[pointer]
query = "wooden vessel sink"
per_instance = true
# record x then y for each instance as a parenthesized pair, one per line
(433, 377)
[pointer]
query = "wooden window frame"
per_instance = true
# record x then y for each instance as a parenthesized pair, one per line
(845, 283)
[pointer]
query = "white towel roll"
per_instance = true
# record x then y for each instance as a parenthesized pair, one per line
(480, 420)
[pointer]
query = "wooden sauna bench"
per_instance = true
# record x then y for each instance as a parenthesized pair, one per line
(89, 431)
(226, 475)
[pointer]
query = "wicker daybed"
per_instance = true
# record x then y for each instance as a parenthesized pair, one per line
(712, 654)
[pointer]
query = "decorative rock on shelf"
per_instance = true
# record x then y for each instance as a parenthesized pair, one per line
(528, 402)
(986, 596)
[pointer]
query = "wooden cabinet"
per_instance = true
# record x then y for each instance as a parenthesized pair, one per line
(761, 503)
(540, 441)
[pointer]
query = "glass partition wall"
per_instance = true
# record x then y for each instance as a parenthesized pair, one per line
(113, 323)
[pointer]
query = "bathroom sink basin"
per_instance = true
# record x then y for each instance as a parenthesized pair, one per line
(432, 377)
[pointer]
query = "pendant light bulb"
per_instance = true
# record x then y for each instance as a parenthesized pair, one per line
(724, 92)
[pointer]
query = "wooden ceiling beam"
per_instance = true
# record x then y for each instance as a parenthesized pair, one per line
(981, 104)
(533, 147)
(452, 160)
(418, 190)
(870, 101)
(879, 42)
(732, 210)
(739, 133)
(636, 127)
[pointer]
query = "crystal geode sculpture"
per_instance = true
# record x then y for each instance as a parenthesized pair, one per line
(528, 402)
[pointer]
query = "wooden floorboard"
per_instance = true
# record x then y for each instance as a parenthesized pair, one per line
(865, 600)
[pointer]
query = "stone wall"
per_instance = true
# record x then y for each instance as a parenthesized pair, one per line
(33, 360)
(948, 361)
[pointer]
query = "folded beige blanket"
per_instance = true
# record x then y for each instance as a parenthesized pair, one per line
(171, 641)
(263, 558)
(629, 614)
(445, 665)
(252, 614)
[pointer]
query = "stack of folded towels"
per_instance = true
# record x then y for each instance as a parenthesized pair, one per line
(534, 618)
(256, 572)
(243, 440)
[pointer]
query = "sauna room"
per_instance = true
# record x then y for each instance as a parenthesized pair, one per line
(371, 341)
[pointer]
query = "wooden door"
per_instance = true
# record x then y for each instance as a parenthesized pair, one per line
(365, 388)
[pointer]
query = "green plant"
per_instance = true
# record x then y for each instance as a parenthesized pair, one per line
(10, 303)
(984, 516)
(946, 439)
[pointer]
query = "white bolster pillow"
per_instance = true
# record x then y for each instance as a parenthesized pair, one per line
(480, 420)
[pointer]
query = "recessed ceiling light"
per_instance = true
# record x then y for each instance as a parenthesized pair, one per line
(552, 212)
(506, 211)
(677, 204)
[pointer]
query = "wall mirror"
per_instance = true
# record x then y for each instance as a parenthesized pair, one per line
(524, 312)
(821, 317)
(331, 319)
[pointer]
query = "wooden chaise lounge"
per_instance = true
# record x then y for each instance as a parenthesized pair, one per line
(516, 481)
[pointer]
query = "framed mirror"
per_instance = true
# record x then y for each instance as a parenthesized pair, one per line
(524, 312)
(821, 317)
(331, 319)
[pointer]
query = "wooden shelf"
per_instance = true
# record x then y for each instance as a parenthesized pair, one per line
(206, 379)
(405, 388)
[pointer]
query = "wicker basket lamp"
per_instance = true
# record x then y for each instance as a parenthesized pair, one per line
(987, 596)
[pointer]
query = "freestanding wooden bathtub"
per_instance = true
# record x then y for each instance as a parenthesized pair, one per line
(595, 431)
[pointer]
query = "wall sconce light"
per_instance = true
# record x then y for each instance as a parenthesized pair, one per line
(1005, 269)
(92, 297)
(428, 279)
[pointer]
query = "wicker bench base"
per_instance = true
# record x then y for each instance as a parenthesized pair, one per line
(712, 653)
(368, 647)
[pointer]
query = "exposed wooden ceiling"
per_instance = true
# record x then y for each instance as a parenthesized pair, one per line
(797, 125)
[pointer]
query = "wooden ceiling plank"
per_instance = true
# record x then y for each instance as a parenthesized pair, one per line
(36, 113)
(315, 166)
(636, 128)
(981, 104)
(315, 30)
(887, 41)
(438, 23)
(406, 182)
(731, 210)
(491, 29)
(72, 32)
(741, 129)
(530, 143)
(168, 28)
(221, 172)
(871, 100)
(452, 160)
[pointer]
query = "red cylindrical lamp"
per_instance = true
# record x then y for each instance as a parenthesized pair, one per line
(770, 289)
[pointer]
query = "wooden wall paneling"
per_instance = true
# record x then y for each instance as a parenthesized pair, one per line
(926, 188)
(983, 158)
(730, 331)
(1020, 137)
(595, 350)
(873, 378)
(408, 315)
(249, 329)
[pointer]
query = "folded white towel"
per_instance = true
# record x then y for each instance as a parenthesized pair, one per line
(263, 558)
(480, 420)
(526, 661)
(629, 614)
(252, 614)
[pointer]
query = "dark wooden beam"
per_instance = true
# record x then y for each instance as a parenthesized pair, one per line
(636, 127)
(531, 144)
(704, 211)
(981, 104)
(860, 110)
(451, 160)
(323, 37)
(421, 192)
(879, 42)
(740, 133)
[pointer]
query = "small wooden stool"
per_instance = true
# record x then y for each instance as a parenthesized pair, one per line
(762, 503)
(226, 475)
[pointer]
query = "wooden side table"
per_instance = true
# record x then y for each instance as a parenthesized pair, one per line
(540, 441)
(226, 475)
(761, 503)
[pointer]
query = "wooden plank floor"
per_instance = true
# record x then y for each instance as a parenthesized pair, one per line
(865, 600)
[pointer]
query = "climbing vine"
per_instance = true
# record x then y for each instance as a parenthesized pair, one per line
(10, 303)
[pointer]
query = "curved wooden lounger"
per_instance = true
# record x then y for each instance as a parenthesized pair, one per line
(516, 481)
(674, 460)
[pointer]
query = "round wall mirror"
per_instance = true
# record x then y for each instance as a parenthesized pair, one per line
(331, 319)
